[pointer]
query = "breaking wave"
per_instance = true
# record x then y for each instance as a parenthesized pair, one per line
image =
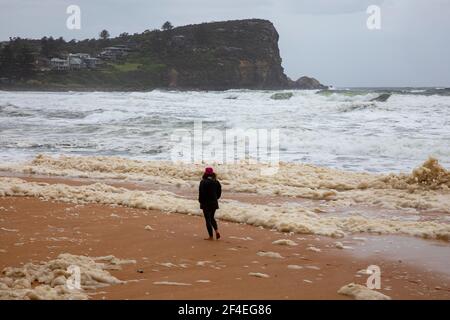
(336, 128)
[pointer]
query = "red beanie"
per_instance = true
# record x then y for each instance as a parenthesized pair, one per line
(209, 170)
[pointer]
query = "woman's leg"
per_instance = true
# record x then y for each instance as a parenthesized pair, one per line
(213, 220)
(214, 224)
(207, 214)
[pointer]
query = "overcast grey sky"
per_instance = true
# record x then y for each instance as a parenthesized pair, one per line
(327, 39)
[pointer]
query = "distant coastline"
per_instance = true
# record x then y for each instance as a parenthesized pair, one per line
(238, 54)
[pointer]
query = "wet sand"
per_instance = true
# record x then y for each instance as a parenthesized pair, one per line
(174, 251)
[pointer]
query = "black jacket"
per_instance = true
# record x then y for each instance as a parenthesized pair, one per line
(209, 192)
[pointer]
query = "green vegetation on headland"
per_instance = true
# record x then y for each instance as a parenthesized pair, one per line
(208, 56)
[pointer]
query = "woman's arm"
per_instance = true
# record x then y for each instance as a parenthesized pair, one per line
(200, 192)
(219, 189)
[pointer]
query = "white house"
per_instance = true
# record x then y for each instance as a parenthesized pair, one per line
(75, 63)
(113, 53)
(80, 55)
(59, 64)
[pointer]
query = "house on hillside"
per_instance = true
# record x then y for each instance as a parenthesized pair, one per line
(87, 61)
(59, 64)
(113, 53)
(93, 63)
(80, 55)
(75, 63)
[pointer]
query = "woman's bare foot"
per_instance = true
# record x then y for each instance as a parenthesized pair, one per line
(209, 238)
(217, 235)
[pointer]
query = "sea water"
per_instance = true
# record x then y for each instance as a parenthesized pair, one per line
(340, 128)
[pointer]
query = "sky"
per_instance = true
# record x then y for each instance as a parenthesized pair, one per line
(326, 39)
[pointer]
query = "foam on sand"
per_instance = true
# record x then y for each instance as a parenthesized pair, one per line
(270, 254)
(284, 218)
(52, 278)
(340, 245)
(314, 249)
(360, 292)
(430, 175)
(203, 263)
(294, 267)
(170, 283)
(9, 230)
(285, 242)
(258, 275)
(426, 188)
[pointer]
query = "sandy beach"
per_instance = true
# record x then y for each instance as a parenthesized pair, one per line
(316, 133)
(172, 261)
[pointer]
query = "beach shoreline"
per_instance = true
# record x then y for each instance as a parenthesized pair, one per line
(172, 250)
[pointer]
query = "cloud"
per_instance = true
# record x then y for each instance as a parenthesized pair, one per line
(321, 7)
(323, 38)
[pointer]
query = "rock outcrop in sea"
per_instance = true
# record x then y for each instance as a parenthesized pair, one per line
(308, 83)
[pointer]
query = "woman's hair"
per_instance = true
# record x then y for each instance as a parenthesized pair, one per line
(212, 175)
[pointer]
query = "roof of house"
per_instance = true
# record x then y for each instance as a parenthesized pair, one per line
(58, 60)
(75, 61)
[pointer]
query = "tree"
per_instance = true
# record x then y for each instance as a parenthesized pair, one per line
(45, 48)
(25, 62)
(17, 61)
(51, 47)
(7, 62)
(104, 34)
(201, 35)
(167, 26)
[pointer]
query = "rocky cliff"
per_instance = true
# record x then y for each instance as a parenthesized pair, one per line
(224, 55)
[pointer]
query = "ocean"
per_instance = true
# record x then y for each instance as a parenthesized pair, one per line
(340, 128)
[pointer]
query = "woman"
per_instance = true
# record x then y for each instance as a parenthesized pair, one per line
(209, 192)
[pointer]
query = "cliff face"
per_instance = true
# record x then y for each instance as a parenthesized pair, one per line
(224, 55)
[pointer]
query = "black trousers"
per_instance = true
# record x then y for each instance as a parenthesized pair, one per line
(210, 221)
